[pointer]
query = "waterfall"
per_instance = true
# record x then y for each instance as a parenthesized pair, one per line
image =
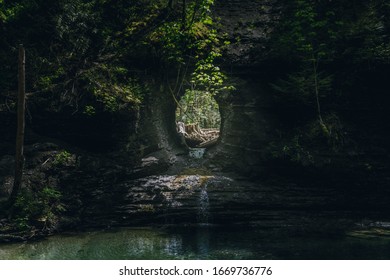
(203, 206)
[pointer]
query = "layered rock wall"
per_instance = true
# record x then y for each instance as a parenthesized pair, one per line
(248, 119)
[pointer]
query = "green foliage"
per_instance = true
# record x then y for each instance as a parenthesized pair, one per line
(104, 83)
(190, 35)
(95, 53)
(199, 107)
(71, 51)
(370, 34)
(334, 132)
(38, 208)
(305, 144)
(62, 158)
(8, 12)
(103, 77)
(208, 77)
(89, 110)
(309, 35)
(329, 48)
(310, 30)
(193, 39)
(296, 151)
(299, 86)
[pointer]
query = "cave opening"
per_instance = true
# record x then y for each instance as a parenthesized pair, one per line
(198, 119)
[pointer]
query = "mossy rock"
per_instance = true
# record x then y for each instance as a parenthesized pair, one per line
(201, 171)
(370, 233)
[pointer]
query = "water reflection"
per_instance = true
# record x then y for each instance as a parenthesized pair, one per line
(174, 246)
(203, 242)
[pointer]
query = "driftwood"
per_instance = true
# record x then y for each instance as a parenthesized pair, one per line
(208, 144)
(197, 137)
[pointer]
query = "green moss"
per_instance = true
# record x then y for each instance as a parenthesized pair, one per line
(196, 171)
(147, 208)
(370, 233)
(62, 158)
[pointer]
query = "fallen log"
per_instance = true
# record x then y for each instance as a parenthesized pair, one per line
(208, 144)
(196, 136)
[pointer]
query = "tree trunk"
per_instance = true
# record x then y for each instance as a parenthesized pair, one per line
(316, 88)
(184, 15)
(19, 158)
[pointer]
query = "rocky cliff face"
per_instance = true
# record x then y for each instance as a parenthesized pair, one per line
(214, 199)
(249, 26)
(248, 115)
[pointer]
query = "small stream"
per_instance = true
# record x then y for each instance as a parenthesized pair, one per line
(202, 242)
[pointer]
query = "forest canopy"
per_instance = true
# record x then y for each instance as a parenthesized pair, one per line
(101, 55)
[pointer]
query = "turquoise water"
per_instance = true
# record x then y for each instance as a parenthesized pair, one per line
(196, 243)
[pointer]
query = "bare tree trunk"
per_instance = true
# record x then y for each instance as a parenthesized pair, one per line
(184, 15)
(19, 158)
(316, 88)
